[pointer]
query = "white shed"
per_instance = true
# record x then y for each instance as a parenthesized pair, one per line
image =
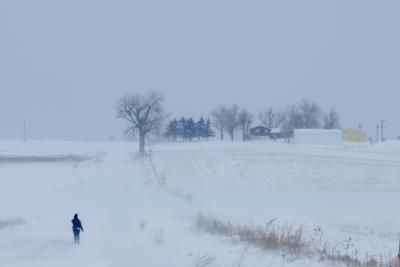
(318, 136)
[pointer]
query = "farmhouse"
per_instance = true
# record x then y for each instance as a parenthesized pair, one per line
(259, 132)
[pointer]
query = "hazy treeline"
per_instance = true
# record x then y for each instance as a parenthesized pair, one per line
(234, 121)
(146, 116)
(303, 115)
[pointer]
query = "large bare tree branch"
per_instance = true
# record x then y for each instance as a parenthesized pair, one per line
(145, 113)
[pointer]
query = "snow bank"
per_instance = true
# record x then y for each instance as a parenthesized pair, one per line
(347, 191)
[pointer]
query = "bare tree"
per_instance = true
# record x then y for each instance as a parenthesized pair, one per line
(245, 120)
(310, 114)
(145, 113)
(218, 117)
(271, 118)
(232, 120)
(331, 120)
(304, 115)
(293, 120)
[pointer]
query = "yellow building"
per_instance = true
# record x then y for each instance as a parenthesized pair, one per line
(354, 135)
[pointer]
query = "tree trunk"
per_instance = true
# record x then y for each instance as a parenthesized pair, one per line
(141, 144)
(221, 135)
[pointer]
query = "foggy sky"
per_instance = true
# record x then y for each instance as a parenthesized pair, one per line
(64, 64)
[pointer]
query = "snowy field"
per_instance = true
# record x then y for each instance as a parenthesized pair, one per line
(347, 191)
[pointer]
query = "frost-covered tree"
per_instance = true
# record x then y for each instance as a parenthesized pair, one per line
(232, 120)
(218, 116)
(245, 120)
(331, 120)
(294, 118)
(271, 118)
(310, 114)
(145, 114)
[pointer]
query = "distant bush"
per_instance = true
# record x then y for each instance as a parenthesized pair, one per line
(10, 223)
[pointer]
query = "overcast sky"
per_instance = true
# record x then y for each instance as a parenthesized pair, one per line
(64, 64)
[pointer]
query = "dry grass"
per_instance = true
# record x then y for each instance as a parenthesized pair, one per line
(269, 238)
(43, 158)
(203, 261)
(286, 239)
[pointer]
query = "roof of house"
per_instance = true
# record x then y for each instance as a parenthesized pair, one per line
(259, 127)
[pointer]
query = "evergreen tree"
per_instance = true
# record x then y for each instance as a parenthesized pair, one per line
(201, 128)
(172, 131)
(189, 130)
(209, 132)
(181, 128)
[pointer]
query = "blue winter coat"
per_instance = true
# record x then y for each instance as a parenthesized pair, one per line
(76, 224)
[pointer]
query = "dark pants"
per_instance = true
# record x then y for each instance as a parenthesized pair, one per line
(76, 234)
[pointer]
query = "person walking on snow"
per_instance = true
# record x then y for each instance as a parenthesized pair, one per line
(76, 228)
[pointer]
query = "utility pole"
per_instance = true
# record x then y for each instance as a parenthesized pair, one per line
(398, 255)
(377, 133)
(24, 130)
(382, 138)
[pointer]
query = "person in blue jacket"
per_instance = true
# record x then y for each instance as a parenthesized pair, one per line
(76, 228)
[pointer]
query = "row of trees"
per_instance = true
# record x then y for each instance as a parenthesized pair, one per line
(145, 115)
(303, 115)
(188, 129)
(229, 119)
